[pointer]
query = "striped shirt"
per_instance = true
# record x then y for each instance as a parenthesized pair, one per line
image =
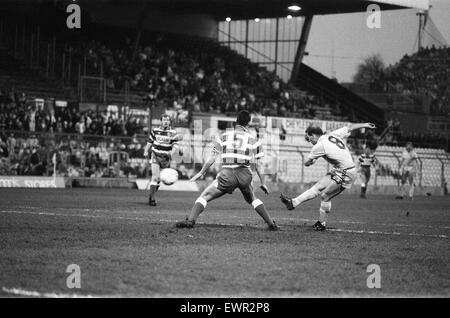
(237, 148)
(163, 140)
(366, 160)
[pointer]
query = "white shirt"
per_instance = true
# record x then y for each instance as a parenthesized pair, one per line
(409, 159)
(332, 147)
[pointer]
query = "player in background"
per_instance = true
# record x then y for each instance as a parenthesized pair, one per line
(237, 149)
(366, 160)
(161, 145)
(408, 169)
(4, 152)
(332, 147)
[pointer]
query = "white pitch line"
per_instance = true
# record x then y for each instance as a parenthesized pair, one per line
(279, 218)
(388, 233)
(115, 217)
(78, 215)
(31, 293)
(222, 224)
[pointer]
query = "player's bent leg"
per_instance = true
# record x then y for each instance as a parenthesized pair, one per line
(259, 207)
(212, 192)
(333, 189)
(411, 186)
(364, 182)
(325, 204)
(309, 194)
(209, 194)
(325, 208)
(154, 184)
(402, 186)
(411, 191)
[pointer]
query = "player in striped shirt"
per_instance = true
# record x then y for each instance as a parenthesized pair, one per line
(163, 142)
(237, 149)
(366, 160)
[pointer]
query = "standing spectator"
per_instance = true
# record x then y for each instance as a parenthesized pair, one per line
(35, 163)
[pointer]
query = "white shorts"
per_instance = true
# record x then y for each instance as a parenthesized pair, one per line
(344, 177)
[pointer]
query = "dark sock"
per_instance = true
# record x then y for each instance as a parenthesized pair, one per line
(363, 190)
(261, 210)
(196, 210)
(153, 189)
(157, 187)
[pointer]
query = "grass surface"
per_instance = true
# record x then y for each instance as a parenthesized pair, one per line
(126, 248)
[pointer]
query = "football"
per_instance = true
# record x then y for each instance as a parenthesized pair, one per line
(168, 176)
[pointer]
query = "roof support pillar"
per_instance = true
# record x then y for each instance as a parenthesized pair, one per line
(140, 23)
(301, 46)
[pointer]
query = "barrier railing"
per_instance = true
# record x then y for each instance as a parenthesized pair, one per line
(111, 156)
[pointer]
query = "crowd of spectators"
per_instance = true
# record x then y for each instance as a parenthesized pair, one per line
(199, 76)
(16, 113)
(204, 77)
(76, 157)
(425, 73)
(422, 140)
(395, 136)
(25, 158)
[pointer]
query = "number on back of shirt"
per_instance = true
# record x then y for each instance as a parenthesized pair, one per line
(236, 141)
(336, 141)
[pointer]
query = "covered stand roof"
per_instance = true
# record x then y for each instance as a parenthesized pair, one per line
(246, 9)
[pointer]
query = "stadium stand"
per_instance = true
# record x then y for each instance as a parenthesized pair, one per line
(17, 112)
(15, 75)
(175, 72)
(433, 163)
(424, 73)
(180, 73)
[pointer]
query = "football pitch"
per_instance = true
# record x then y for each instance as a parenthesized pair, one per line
(124, 248)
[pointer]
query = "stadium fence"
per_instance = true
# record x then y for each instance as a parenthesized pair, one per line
(122, 157)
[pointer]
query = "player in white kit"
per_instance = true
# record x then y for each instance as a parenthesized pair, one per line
(408, 169)
(332, 147)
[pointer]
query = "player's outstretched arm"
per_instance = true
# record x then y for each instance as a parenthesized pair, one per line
(352, 127)
(215, 151)
(205, 168)
(263, 186)
(176, 151)
(310, 162)
(148, 146)
(400, 164)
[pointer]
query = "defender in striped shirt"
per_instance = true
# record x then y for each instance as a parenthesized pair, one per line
(365, 160)
(237, 149)
(162, 141)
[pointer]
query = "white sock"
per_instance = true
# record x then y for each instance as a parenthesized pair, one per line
(402, 191)
(305, 196)
(411, 190)
(325, 208)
